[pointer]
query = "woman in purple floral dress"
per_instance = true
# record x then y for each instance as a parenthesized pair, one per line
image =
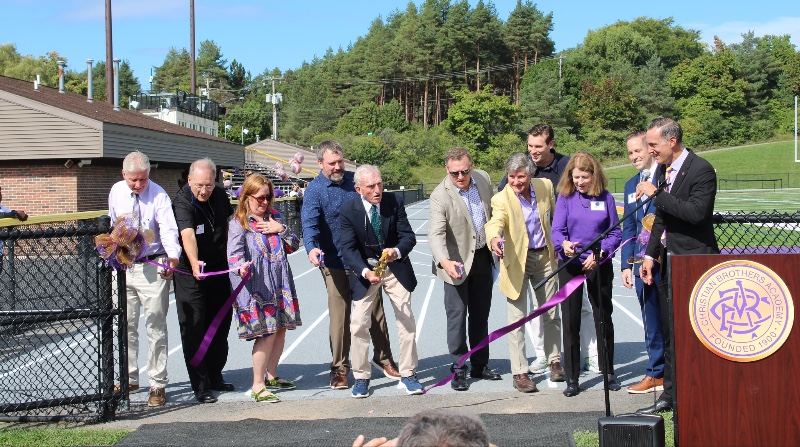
(267, 305)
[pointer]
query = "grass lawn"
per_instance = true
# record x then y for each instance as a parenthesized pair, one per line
(592, 439)
(58, 437)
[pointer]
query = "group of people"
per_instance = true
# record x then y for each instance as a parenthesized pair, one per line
(548, 211)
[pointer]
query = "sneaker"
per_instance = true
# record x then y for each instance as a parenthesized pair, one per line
(590, 364)
(361, 388)
(539, 365)
(410, 384)
(279, 384)
(158, 397)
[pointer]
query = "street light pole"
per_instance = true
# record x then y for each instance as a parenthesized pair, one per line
(244, 132)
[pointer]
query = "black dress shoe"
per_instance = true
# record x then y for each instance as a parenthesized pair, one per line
(659, 407)
(222, 386)
(572, 388)
(205, 397)
(613, 385)
(484, 373)
(459, 382)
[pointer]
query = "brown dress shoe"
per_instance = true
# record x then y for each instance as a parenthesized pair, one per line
(524, 384)
(158, 397)
(647, 385)
(339, 381)
(389, 370)
(132, 388)
(556, 371)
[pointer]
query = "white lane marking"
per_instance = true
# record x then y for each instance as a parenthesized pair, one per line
(305, 333)
(421, 253)
(619, 306)
(424, 311)
(306, 272)
(57, 351)
(422, 225)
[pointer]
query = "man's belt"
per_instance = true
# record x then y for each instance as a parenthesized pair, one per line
(150, 257)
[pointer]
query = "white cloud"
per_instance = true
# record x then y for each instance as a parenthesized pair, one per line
(731, 32)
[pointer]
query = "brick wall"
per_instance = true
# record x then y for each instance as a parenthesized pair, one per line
(48, 187)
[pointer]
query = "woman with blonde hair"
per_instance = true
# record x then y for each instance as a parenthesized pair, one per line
(584, 210)
(267, 305)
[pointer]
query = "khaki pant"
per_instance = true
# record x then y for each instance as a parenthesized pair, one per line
(147, 290)
(339, 308)
(361, 320)
(537, 267)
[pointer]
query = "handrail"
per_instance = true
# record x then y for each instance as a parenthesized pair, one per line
(279, 159)
(46, 218)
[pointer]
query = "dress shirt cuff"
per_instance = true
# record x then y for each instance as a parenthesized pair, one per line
(649, 257)
(364, 273)
(397, 250)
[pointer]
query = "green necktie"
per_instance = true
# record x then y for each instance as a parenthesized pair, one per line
(375, 219)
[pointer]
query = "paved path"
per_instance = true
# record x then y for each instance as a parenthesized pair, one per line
(306, 361)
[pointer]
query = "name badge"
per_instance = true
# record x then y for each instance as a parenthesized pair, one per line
(631, 197)
(598, 206)
(200, 229)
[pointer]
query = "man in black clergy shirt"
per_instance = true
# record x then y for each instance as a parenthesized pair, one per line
(202, 210)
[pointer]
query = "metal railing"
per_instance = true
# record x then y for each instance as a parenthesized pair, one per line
(62, 336)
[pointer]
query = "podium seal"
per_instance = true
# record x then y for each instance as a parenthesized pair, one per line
(741, 311)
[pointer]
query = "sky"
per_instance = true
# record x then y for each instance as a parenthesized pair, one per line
(264, 34)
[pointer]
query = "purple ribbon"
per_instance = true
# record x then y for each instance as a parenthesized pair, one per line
(554, 301)
(214, 327)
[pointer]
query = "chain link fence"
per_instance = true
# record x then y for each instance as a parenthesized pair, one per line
(62, 337)
(757, 233)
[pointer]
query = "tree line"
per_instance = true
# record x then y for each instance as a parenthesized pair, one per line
(442, 73)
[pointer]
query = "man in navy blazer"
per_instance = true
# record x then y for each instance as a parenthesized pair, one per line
(632, 257)
(375, 225)
(684, 215)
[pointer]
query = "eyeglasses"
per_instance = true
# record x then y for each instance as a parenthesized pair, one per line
(205, 187)
(456, 174)
(262, 199)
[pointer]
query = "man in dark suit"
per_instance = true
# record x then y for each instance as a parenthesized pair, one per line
(684, 212)
(374, 226)
(632, 257)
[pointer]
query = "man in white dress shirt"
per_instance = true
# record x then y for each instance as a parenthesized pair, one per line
(147, 285)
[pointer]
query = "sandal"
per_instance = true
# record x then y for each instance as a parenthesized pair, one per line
(264, 396)
(279, 384)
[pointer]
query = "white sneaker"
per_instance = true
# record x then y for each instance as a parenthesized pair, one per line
(539, 365)
(590, 364)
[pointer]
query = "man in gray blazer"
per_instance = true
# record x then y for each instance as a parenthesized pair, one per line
(460, 206)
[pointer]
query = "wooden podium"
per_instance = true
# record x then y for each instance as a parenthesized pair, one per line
(722, 402)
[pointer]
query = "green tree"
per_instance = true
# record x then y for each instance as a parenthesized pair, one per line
(173, 73)
(210, 66)
(708, 83)
(478, 116)
(607, 104)
(527, 36)
(238, 78)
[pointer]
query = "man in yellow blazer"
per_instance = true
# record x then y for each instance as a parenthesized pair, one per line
(462, 259)
(519, 234)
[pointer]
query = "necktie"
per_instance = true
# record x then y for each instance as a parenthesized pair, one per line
(669, 178)
(375, 220)
(136, 211)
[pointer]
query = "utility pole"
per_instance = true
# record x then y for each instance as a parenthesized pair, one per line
(109, 56)
(275, 99)
(192, 67)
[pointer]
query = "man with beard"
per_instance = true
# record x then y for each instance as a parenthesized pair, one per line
(322, 203)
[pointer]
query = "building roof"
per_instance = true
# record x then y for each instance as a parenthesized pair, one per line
(97, 110)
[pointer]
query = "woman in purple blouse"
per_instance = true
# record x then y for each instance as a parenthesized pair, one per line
(584, 210)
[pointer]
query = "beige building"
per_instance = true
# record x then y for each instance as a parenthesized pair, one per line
(61, 153)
